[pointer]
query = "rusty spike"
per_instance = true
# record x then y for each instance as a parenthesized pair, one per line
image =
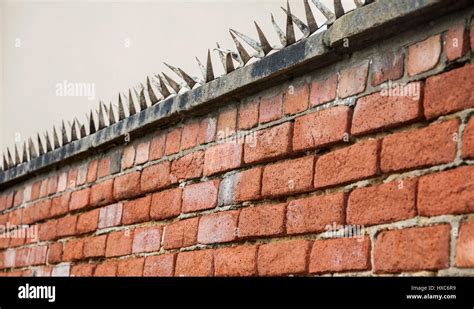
(263, 40)
(243, 54)
(92, 129)
(121, 109)
(184, 76)
(163, 89)
(312, 24)
(111, 114)
(290, 30)
(25, 153)
(172, 83)
(64, 134)
(131, 105)
(303, 28)
(325, 11)
(338, 8)
(32, 149)
(151, 93)
(40, 145)
(254, 44)
(209, 70)
(48, 142)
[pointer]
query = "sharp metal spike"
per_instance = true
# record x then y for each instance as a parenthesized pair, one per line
(221, 54)
(290, 31)
(325, 11)
(10, 161)
(244, 56)
(100, 115)
(254, 44)
(83, 131)
(209, 70)
(73, 131)
(92, 129)
(111, 114)
(359, 3)
(190, 81)
(368, 2)
(163, 89)
(64, 134)
(17, 156)
(143, 104)
(25, 154)
(48, 142)
(56, 139)
(338, 8)
(151, 93)
(303, 28)
(131, 105)
(229, 64)
(40, 145)
(278, 30)
(202, 68)
(32, 149)
(172, 83)
(121, 109)
(312, 24)
(263, 40)
(5, 163)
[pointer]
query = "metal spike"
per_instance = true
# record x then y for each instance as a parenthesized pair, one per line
(56, 139)
(184, 76)
(303, 28)
(338, 8)
(359, 3)
(368, 2)
(229, 64)
(254, 44)
(143, 104)
(73, 131)
(172, 83)
(48, 142)
(111, 114)
(151, 93)
(25, 154)
(17, 156)
(209, 70)
(40, 146)
(5, 163)
(325, 11)
(83, 131)
(92, 129)
(221, 54)
(278, 30)
(10, 161)
(202, 68)
(290, 30)
(131, 105)
(312, 24)
(263, 40)
(244, 55)
(121, 109)
(64, 134)
(100, 116)
(32, 149)
(163, 89)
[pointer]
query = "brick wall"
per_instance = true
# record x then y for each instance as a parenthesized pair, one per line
(340, 171)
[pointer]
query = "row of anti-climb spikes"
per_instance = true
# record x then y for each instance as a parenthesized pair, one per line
(167, 86)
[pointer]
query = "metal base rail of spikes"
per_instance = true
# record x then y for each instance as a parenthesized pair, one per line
(166, 86)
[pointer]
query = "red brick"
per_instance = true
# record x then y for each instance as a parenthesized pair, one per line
(35, 190)
(22, 257)
(55, 253)
(449, 92)
(248, 185)
(82, 174)
(43, 188)
(52, 185)
(194, 264)
(449, 192)
(43, 271)
(95, 246)
(248, 114)
(187, 167)
(155, 177)
(218, 227)
(181, 234)
(159, 265)
(38, 255)
(136, 211)
(173, 141)
(268, 144)
(348, 164)
(132, 267)
(72, 178)
(296, 99)
(146, 239)
(73, 250)
(464, 247)
(92, 170)
(413, 249)
(62, 181)
(389, 202)
(387, 66)
(48, 230)
(79, 199)
(127, 186)
(128, 159)
(157, 147)
(207, 130)
(323, 91)
(66, 226)
(36, 212)
(166, 204)
(222, 158)
(236, 261)
(87, 222)
(104, 167)
(200, 196)
(385, 110)
(271, 108)
(190, 135)
(102, 193)
(106, 269)
(435, 144)
(424, 56)
(143, 152)
(314, 214)
(472, 34)
(9, 200)
(262, 220)
(353, 81)
(288, 177)
(226, 122)
(119, 243)
(18, 198)
(468, 140)
(60, 205)
(110, 215)
(283, 258)
(322, 128)
(338, 255)
(82, 270)
(457, 42)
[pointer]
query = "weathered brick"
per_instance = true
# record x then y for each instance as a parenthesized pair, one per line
(195, 264)
(43, 188)
(207, 130)
(353, 81)
(127, 186)
(389, 202)
(47, 230)
(387, 66)
(385, 110)
(136, 211)
(271, 108)
(87, 222)
(236, 261)
(468, 140)
(119, 243)
(288, 177)
(240, 187)
(262, 220)
(35, 190)
(268, 144)
(146, 239)
(82, 174)
(348, 164)
(166, 204)
(102, 193)
(412, 249)
(323, 90)
(82, 270)
(52, 185)
(72, 178)
(110, 215)
(104, 167)
(92, 169)
(55, 253)
(322, 128)
(449, 192)
(66, 226)
(18, 198)
(142, 153)
(181, 234)
(226, 122)
(80, 199)
(314, 214)
(60, 205)
(73, 250)
(223, 157)
(36, 212)
(296, 99)
(173, 141)
(132, 267)
(248, 114)
(200, 196)
(128, 159)
(38, 255)
(440, 96)
(95, 246)
(456, 42)
(106, 269)
(424, 56)
(159, 265)
(157, 147)
(435, 144)
(337, 255)
(283, 258)
(187, 167)
(464, 248)
(190, 135)
(218, 227)
(155, 177)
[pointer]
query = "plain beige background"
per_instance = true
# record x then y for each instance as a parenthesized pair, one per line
(44, 43)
